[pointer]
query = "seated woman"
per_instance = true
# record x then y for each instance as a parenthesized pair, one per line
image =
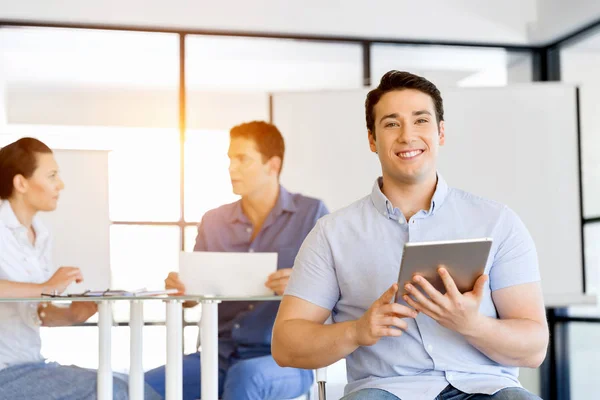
(29, 182)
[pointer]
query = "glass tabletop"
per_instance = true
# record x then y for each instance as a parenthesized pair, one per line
(198, 298)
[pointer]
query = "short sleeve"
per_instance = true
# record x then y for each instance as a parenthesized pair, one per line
(515, 261)
(313, 278)
(321, 211)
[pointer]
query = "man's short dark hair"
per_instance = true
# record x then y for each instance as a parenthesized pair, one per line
(18, 158)
(400, 80)
(267, 137)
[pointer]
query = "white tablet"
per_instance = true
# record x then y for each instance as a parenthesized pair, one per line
(465, 260)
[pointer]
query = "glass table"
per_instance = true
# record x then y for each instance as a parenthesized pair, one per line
(209, 328)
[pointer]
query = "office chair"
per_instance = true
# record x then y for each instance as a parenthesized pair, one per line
(321, 381)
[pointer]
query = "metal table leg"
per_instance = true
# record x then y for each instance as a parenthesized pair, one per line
(105, 378)
(136, 369)
(174, 370)
(209, 330)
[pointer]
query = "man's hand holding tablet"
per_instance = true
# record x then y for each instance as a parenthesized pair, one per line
(383, 318)
(449, 295)
(453, 310)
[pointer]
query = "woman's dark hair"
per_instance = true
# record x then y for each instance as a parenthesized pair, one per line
(18, 158)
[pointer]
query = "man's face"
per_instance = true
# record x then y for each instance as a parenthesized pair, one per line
(247, 170)
(407, 134)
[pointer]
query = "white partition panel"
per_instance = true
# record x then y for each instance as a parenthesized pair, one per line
(80, 224)
(224, 110)
(326, 145)
(516, 145)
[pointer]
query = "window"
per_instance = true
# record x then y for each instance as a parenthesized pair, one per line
(452, 65)
(267, 65)
(207, 183)
(109, 90)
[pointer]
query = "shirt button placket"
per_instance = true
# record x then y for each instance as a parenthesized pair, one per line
(249, 231)
(413, 228)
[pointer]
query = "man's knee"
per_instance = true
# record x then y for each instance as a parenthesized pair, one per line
(246, 373)
(370, 394)
(261, 377)
(120, 389)
(515, 394)
(155, 378)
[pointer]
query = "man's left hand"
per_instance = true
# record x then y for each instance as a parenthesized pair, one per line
(453, 310)
(278, 280)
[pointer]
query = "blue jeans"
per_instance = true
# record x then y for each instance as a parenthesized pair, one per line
(449, 393)
(43, 381)
(257, 378)
(370, 394)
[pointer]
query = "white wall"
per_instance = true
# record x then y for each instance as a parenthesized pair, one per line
(556, 18)
(519, 68)
(458, 20)
(2, 106)
(222, 111)
(129, 107)
(88, 105)
(2, 100)
(80, 224)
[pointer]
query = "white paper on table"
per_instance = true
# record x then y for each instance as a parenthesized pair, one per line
(226, 274)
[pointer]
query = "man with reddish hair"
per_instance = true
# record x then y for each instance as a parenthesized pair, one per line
(267, 218)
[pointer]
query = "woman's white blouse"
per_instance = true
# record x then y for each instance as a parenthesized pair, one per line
(20, 261)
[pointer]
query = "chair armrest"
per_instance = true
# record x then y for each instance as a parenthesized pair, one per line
(321, 381)
(321, 374)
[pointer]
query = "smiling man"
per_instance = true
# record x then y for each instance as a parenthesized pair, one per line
(440, 346)
(267, 218)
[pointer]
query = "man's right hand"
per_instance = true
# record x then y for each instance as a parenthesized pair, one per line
(173, 282)
(62, 278)
(382, 319)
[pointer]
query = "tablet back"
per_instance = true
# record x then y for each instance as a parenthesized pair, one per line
(465, 260)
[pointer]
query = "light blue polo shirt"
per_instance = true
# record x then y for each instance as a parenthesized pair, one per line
(353, 255)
